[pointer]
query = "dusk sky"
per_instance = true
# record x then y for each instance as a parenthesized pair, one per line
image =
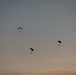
(44, 22)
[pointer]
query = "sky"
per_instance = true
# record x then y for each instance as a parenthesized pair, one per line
(44, 22)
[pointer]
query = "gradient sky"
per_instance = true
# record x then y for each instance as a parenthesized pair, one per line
(44, 22)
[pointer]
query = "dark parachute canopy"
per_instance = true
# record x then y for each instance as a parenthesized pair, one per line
(59, 42)
(31, 50)
(20, 28)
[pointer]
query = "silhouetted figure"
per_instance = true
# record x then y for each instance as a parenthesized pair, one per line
(59, 42)
(20, 28)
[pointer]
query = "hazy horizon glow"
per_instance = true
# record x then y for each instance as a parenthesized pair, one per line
(44, 22)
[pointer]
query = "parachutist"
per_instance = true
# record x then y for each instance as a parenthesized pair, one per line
(20, 28)
(59, 42)
(31, 50)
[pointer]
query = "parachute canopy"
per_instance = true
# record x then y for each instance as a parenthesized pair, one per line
(59, 41)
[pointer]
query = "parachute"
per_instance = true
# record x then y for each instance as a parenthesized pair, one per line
(20, 28)
(59, 42)
(31, 50)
